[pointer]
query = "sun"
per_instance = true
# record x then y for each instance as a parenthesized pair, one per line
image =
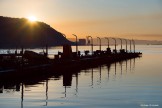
(32, 18)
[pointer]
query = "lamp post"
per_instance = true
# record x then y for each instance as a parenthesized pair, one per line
(100, 42)
(45, 42)
(130, 46)
(91, 43)
(76, 43)
(134, 45)
(126, 44)
(121, 43)
(115, 43)
(46, 54)
(107, 41)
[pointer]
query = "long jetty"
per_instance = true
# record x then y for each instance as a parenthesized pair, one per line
(30, 62)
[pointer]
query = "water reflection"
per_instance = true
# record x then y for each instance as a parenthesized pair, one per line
(108, 70)
(15, 85)
(133, 64)
(92, 78)
(121, 67)
(22, 95)
(67, 79)
(46, 93)
(18, 84)
(130, 65)
(100, 74)
(126, 66)
(76, 75)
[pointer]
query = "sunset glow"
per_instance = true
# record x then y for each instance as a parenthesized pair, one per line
(32, 18)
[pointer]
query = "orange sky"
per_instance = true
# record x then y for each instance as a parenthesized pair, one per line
(137, 19)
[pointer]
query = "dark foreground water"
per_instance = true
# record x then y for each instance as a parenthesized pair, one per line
(136, 83)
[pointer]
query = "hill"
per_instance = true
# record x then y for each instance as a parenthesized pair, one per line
(17, 32)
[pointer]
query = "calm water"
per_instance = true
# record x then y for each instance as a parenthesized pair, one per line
(136, 83)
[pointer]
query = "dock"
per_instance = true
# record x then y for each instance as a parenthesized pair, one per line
(30, 63)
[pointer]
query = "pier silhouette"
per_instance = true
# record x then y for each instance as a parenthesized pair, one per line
(33, 67)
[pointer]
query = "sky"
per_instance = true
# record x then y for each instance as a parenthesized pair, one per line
(132, 19)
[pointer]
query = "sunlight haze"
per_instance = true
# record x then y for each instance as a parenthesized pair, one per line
(138, 19)
(32, 18)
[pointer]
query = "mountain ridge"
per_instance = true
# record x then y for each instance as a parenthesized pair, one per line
(18, 32)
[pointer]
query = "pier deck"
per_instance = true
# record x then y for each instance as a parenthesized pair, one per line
(31, 67)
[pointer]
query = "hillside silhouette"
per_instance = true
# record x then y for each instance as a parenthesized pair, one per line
(18, 32)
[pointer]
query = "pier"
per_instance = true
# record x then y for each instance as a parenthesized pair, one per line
(30, 62)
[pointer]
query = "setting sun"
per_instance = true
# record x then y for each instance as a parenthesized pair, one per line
(32, 18)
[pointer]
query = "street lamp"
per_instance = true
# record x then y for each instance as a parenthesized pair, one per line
(46, 44)
(130, 46)
(133, 44)
(115, 43)
(91, 43)
(100, 42)
(126, 44)
(76, 43)
(107, 41)
(121, 43)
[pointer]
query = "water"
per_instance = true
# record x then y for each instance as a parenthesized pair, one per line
(136, 83)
